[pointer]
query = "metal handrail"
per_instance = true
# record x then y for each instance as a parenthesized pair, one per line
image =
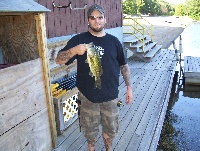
(149, 28)
(138, 28)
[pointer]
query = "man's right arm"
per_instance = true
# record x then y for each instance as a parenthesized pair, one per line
(64, 56)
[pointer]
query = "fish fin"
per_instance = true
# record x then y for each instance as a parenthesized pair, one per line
(101, 72)
(91, 44)
(91, 74)
(98, 84)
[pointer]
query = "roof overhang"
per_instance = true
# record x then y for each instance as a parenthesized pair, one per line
(21, 6)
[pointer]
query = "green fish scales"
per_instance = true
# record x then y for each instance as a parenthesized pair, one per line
(94, 62)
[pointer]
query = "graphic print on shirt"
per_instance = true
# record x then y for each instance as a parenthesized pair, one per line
(94, 61)
(100, 50)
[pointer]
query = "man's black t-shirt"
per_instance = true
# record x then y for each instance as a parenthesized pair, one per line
(112, 57)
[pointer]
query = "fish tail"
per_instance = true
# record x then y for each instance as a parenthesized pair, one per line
(98, 83)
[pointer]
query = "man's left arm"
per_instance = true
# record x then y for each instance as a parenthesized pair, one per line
(126, 75)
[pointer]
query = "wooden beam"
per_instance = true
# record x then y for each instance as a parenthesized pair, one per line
(16, 13)
(43, 51)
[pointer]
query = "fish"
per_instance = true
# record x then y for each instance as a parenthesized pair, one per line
(94, 62)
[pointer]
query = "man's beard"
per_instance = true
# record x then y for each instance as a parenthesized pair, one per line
(96, 30)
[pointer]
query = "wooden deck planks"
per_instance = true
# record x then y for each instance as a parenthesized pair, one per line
(163, 108)
(143, 126)
(135, 126)
(154, 112)
(140, 120)
(128, 123)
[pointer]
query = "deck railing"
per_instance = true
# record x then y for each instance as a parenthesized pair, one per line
(138, 28)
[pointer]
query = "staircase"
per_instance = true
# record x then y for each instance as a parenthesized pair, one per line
(137, 43)
(134, 46)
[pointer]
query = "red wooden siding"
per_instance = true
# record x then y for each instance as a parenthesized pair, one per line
(64, 21)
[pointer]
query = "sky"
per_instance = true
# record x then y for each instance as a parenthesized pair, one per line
(176, 1)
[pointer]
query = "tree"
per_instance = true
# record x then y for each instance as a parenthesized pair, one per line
(139, 3)
(193, 7)
(157, 9)
(166, 8)
(132, 6)
(180, 10)
(147, 7)
(153, 7)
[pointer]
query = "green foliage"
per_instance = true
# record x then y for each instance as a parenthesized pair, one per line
(152, 7)
(160, 7)
(132, 6)
(193, 7)
(180, 10)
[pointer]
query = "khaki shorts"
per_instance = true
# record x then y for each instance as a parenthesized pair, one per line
(94, 114)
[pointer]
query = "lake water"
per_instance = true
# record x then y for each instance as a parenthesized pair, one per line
(181, 131)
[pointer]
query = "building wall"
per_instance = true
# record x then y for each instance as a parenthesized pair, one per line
(65, 21)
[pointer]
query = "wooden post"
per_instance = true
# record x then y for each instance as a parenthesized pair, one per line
(43, 51)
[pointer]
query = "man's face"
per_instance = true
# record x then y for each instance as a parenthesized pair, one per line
(96, 21)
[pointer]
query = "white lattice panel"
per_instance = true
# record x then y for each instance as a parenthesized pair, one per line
(70, 108)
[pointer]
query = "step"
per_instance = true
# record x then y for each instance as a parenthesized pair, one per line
(130, 39)
(139, 44)
(153, 51)
(133, 39)
(147, 47)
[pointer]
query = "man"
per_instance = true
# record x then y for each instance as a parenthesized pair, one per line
(98, 105)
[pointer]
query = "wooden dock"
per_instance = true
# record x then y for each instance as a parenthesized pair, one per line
(192, 70)
(141, 122)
